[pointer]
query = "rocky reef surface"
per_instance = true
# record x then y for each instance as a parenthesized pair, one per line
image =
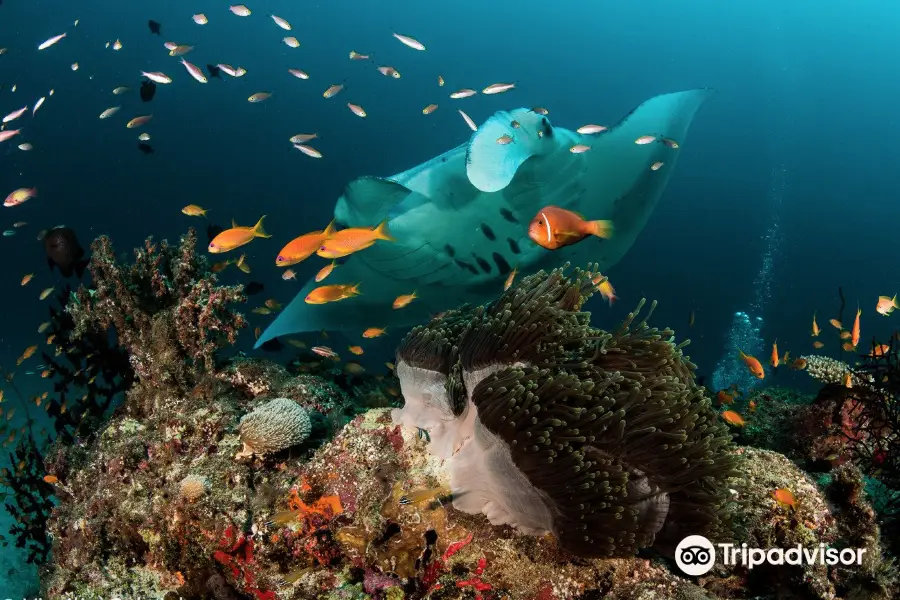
(332, 524)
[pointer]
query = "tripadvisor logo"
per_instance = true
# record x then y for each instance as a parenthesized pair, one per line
(695, 555)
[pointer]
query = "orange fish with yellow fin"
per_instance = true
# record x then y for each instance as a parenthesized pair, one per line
(237, 236)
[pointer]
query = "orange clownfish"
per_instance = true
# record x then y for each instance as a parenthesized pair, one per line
(753, 364)
(301, 248)
(554, 227)
(237, 236)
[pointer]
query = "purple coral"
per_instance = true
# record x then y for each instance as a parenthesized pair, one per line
(166, 308)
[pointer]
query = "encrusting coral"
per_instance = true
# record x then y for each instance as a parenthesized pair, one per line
(603, 439)
(274, 426)
(166, 309)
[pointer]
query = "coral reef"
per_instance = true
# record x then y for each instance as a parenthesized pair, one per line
(608, 429)
(165, 308)
(164, 496)
(274, 426)
(836, 515)
(603, 439)
(829, 370)
(773, 421)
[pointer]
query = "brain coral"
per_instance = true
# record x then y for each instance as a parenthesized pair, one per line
(603, 439)
(276, 425)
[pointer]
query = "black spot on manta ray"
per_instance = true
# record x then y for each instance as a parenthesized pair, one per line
(507, 214)
(488, 232)
(463, 264)
(501, 263)
(450, 250)
(485, 265)
(514, 246)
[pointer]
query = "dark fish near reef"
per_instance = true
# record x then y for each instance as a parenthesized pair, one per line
(212, 231)
(214, 71)
(273, 345)
(148, 90)
(253, 288)
(64, 251)
(145, 148)
(154, 27)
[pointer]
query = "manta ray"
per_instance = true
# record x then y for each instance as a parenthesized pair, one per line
(460, 221)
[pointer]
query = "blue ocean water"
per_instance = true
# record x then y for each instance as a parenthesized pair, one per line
(798, 94)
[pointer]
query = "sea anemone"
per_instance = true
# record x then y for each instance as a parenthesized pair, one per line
(603, 439)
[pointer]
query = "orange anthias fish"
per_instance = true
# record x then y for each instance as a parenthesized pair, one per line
(886, 305)
(855, 332)
(784, 497)
(848, 380)
(354, 239)
(880, 350)
(403, 300)
(554, 227)
(373, 332)
(509, 280)
(332, 293)
(303, 247)
(29, 351)
(325, 271)
(724, 397)
(815, 327)
(753, 364)
(835, 323)
(606, 289)
(237, 236)
(799, 364)
(733, 418)
(775, 360)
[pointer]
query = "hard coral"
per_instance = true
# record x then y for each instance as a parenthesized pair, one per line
(193, 487)
(603, 439)
(274, 426)
(166, 309)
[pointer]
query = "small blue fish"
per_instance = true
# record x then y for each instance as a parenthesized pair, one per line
(8, 233)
